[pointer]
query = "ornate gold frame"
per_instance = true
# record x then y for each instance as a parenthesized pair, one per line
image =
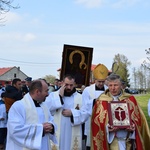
(69, 65)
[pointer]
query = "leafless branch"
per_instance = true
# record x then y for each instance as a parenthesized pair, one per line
(5, 6)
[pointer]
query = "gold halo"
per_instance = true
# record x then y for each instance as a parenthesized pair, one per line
(82, 58)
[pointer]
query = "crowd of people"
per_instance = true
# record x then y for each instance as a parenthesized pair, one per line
(101, 116)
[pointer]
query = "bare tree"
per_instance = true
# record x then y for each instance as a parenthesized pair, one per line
(141, 78)
(146, 66)
(146, 63)
(141, 75)
(5, 6)
(134, 77)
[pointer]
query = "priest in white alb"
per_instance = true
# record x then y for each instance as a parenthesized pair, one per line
(30, 124)
(69, 114)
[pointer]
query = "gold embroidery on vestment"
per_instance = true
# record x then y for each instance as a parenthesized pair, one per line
(101, 114)
(76, 144)
(99, 119)
(54, 147)
(98, 139)
(135, 115)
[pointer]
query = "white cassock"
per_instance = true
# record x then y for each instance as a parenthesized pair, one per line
(69, 133)
(88, 96)
(25, 127)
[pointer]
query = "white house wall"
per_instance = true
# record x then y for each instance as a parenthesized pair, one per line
(10, 74)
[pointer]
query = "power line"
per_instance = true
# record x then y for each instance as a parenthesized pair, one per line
(24, 62)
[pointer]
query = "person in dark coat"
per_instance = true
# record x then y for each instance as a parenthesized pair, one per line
(12, 93)
(25, 88)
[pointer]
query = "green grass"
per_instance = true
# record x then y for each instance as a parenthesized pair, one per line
(143, 101)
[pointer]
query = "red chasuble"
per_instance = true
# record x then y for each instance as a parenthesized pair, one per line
(100, 119)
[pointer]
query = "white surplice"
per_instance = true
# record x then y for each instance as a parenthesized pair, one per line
(23, 132)
(66, 128)
(88, 96)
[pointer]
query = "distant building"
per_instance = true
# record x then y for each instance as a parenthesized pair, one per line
(9, 73)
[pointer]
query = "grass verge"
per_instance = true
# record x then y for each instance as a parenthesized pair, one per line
(143, 101)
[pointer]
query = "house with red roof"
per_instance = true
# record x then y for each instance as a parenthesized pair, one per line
(9, 73)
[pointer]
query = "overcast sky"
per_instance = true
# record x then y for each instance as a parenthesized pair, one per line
(34, 35)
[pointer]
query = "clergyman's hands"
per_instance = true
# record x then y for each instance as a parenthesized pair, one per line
(112, 128)
(2, 119)
(47, 127)
(131, 128)
(66, 113)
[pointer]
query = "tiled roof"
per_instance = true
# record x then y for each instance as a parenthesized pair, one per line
(92, 67)
(4, 70)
